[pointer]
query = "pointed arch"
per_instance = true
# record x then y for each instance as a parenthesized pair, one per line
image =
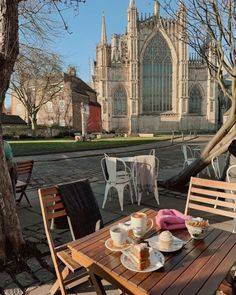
(195, 99)
(119, 101)
(157, 73)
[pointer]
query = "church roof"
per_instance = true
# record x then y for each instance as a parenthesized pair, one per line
(78, 85)
(12, 120)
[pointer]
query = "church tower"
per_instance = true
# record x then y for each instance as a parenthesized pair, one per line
(132, 36)
(101, 71)
(183, 59)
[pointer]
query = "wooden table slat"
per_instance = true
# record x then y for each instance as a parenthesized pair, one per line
(199, 263)
(198, 268)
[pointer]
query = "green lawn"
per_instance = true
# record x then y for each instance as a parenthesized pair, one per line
(34, 147)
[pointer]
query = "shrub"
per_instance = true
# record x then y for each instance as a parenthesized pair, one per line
(7, 136)
(25, 136)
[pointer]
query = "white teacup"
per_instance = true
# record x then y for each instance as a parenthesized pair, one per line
(118, 235)
(139, 224)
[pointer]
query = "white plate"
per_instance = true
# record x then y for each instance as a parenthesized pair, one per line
(157, 261)
(176, 245)
(109, 245)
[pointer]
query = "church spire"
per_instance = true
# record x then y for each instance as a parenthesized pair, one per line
(104, 34)
(157, 8)
(132, 4)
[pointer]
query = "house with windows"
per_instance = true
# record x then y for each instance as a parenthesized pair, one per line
(146, 81)
(65, 108)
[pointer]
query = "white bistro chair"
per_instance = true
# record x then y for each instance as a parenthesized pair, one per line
(152, 152)
(144, 175)
(117, 175)
(218, 164)
(188, 155)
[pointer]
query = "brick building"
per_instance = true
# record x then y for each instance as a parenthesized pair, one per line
(65, 108)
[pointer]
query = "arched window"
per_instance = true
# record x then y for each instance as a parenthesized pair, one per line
(195, 100)
(120, 102)
(157, 76)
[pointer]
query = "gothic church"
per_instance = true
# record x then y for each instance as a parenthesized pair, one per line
(146, 81)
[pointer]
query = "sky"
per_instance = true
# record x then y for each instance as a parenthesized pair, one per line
(79, 47)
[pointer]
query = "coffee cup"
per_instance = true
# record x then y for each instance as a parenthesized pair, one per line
(118, 235)
(140, 224)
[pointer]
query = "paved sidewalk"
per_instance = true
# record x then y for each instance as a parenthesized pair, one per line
(53, 169)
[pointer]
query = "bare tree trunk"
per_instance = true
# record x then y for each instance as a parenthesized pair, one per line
(216, 146)
(33, 119)
(9, 46)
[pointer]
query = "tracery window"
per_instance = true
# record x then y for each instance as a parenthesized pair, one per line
(119, 106)
(195, 100)
(157, 76)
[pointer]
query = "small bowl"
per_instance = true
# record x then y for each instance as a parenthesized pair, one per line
(196, 232)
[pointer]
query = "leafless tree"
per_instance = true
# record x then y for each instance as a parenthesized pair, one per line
(37, 79)
(10, 230)
(208, 26)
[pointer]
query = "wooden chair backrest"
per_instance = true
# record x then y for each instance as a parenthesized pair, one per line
(25, 169)
(52, 208)
(204, 194)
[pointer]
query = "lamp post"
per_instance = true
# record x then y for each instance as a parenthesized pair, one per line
(83, 121)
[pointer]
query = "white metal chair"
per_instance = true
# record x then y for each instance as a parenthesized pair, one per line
(231, 177)
(188, 155)
(218, 164)
(152, 152)
(144, 175)
(117, 175)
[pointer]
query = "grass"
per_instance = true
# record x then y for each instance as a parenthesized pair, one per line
(34, 147)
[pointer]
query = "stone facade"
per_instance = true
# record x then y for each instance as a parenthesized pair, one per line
(146, 81)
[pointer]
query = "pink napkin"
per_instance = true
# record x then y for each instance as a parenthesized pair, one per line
(171, 219)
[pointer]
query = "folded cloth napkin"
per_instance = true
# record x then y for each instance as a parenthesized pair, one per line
(171, 219)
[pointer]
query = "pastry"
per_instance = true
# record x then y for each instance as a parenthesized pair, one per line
(165, 240)
(139, 255)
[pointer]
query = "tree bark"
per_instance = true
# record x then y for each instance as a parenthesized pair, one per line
(33, 119)
(9, 47)
(216, 146)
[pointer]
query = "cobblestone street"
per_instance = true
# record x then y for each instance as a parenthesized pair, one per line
(39, 275)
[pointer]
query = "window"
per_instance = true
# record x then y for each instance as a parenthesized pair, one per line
(49, 106)
(61, 105)
(50, 122)
(120, 102)
(62, 122)
(157, 76)
(195, 100)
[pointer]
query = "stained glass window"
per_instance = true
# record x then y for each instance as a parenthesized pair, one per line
(157, 76)
(195, 100)
(120, 102)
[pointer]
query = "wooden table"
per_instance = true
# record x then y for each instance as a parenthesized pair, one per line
(198, 268)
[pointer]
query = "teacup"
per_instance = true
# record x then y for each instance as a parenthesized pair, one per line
(139, 224)
(118, 235)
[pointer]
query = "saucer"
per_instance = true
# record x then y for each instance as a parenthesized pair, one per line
(176, 245)
(110, 245)
(157, 261)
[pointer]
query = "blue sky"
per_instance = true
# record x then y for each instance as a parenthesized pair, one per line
(80, 46)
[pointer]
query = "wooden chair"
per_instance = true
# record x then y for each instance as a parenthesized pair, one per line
(205, 195)
(24, 171)
(52, 208)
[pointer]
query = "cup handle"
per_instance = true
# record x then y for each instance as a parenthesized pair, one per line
(151, 225)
